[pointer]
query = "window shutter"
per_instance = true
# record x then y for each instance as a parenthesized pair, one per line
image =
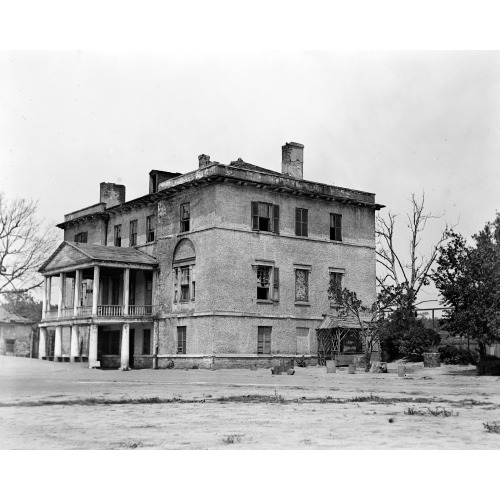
(255, 216)
(338, 227)
(276, 285)
(305, 222)
(276, 219)
(297, 221)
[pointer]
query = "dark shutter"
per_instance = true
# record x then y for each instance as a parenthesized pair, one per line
(297, 221)
(255, 216)
(276, 219)
(305, 222)
(338, 227)
(276, 285)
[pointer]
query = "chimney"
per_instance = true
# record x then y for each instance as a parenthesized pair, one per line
(203, 161)
(112, 194)
(292, 159)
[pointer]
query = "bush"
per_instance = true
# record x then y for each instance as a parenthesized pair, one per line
(452, 355)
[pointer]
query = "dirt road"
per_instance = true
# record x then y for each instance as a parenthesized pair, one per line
(44, 405)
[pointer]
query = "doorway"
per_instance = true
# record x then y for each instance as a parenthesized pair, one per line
(131, 346)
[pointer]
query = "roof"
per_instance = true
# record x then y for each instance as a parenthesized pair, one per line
(331, 322)
(239, 163)
(74, 254)
(9, 317)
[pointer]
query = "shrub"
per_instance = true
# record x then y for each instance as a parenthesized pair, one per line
(452, 355)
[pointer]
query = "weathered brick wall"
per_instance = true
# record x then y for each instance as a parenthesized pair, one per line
(21, 336)
(96, 231)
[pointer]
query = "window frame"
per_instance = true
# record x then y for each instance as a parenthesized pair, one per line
(273, 294)
(181, 340)
(273, 217)
(151, 228)
(337, 272)
(264, 346)
(81, 237)
(335, 227)
(306, 269)
(301, 222)
(132, 233)
(185, 222)
(117, 235)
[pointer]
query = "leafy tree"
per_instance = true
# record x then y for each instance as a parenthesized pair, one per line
(25, 243)
(24, 305)
(468, 278)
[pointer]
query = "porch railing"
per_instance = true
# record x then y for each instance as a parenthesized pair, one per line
(51, 314)
(141, 310)
(67, 312)
(109, 310)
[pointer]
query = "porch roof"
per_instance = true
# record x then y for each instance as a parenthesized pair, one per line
(331, 322)
(73, 255)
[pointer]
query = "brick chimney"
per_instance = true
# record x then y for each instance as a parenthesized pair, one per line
(112, 194)
(292, 160)
(203, 161)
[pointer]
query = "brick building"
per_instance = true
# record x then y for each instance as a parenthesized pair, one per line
(226, 265)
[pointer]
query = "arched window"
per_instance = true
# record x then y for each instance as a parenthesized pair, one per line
(183, 272)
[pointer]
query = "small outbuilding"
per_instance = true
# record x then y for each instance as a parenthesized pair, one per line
(15, 334)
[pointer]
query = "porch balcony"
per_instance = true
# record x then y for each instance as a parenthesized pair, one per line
(105, 311)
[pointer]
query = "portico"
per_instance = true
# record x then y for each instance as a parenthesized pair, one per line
(99, 289)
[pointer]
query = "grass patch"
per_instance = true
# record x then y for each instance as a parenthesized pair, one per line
(232, 438)
(492, 427)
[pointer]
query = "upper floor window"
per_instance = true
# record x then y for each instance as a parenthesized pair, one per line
(185, 217)
(184, 284)
(133, 233)
(118, 235)
(301, 222)
(336, 283)
(265, 217)
(302, 285)
(81, 237)
(268, 283)
(336, 227)
(150, 228)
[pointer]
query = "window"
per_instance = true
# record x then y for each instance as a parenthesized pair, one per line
(268, 285)
(336, 227)
(185, 284)
(9, 346)
(265, 217)
(301, 221)
(301, 285)
(181, 340)
(133, 233)
(264, 340)
(336, 277)
(118, 235)
(184, 217)
(81, 237)
(150, 228)
(146, 342)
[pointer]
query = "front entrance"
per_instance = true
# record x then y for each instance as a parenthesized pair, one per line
(131, 348)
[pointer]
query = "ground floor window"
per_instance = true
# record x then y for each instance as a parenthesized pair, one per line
(264, 340)
(9, 346)
(181, 340)
(146, 342)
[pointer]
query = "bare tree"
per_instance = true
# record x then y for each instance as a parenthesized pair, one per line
(404, 278)
(25, 243)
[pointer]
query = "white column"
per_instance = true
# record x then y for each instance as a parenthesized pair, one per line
(74, 352)
(93, 346)
(155, 278)
(95, 294)
(156, 332)
(78, 287)
(62, 286)
(44, 305)
(124, 362)
(49, 292)
(58, 343)
(126, 290)
(42, 344)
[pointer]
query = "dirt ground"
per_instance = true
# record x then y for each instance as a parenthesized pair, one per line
(56, 406)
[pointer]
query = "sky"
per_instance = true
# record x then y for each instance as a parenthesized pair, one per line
(387, 122)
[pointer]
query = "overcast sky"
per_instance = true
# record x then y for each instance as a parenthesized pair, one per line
(391, 123)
